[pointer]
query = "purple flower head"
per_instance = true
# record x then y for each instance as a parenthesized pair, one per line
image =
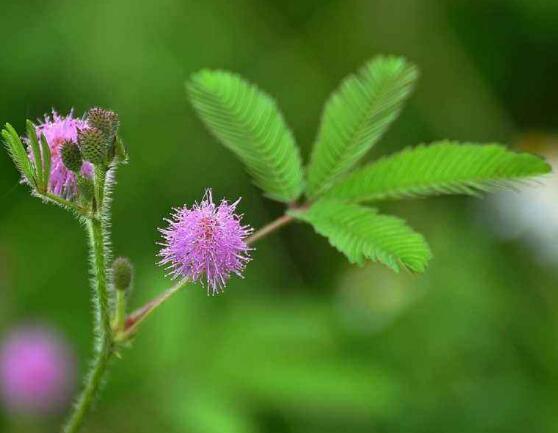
(58, 129)
(206, 240)
(36, 371)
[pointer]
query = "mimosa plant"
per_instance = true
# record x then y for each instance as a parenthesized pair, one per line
(72, 162)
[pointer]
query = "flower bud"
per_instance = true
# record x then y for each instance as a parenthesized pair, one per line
(122, 273)
(71, 156)
(105, 121)
(92, 145)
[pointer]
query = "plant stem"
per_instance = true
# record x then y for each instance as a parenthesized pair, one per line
(269, 228)
(103, 331)
(135, 318)
(119, 311)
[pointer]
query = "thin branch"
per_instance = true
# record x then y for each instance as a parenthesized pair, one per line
(103, 331)
(269, 228)
(135, 318)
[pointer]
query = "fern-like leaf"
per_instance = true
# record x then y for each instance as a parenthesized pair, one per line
(18, 153)
(356, 116)
(440, 168)
(361, 233)
(247, 121)
(47, 160)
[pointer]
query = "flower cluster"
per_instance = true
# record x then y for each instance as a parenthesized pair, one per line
(206, 240)
(58, 130)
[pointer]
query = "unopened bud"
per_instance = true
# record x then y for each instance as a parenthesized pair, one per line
(105, 121)
(122, 273)
(92, 145)
(71, 156)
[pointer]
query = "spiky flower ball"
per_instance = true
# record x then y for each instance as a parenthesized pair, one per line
(206, 241)
(57, 130)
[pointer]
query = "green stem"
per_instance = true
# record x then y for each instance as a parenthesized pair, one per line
(119, 311)
(103, 331)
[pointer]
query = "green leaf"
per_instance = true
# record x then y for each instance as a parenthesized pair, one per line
(247, 121)
(47, 160)
(120, 150)
(356, 116)
(440, 168)
(18, 153)
(361, 233)
(37, 156)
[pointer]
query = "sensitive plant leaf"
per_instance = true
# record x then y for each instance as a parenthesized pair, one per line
(18, 153)
(247, 121)
(356, 116)
(362, 234)
(440, 168)
(47, 160)
(37, 156)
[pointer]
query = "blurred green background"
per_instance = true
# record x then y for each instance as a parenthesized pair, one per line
(305, 343)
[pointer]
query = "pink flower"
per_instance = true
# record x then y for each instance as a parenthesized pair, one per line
(36, 371)
(57, 129)
(206, 240)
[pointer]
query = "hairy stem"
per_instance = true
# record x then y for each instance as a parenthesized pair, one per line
(103, 329)
(104, 344)
(119, 311)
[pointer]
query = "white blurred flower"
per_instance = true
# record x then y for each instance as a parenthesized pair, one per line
(530, 214)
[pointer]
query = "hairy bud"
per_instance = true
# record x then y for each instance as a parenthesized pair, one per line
(105, 121)
(71, 156)
(122, 273)
(92, 145)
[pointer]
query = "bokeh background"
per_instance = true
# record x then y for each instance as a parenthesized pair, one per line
(305, 343)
